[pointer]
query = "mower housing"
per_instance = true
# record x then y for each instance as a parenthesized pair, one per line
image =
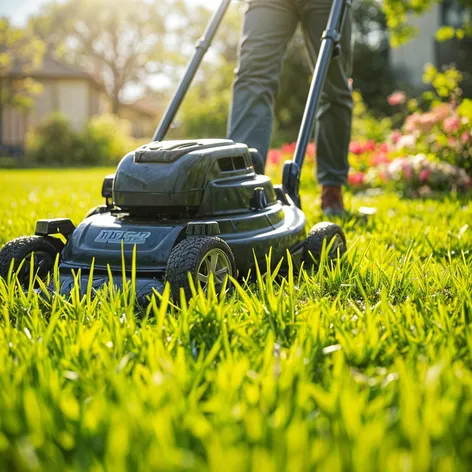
(205, 177)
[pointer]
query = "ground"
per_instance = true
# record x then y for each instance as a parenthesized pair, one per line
(362, 366)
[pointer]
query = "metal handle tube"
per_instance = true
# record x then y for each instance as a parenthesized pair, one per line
(335, 23)
(202, 46)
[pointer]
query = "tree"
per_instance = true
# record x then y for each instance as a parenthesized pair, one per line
(121, 43)
(396, 12)
(372, 72)
(205, 110)
(21, 53)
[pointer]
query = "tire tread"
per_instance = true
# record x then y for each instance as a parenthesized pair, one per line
(321, 232)
(21, 247)
(186, 257)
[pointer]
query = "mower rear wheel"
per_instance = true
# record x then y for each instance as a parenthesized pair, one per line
(199, 256)
(43, 249)
(325, 232)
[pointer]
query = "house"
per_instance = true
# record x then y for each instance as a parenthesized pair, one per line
(143, 115)
(65, 89)
(74, 93)
(408, 60)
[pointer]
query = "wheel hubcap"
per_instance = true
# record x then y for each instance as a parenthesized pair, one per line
(214, 262)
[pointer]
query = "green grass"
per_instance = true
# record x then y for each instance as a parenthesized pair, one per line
(364, 366)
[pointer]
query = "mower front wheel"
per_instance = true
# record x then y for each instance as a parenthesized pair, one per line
(199, 256)
(43, 249)
(327, 233)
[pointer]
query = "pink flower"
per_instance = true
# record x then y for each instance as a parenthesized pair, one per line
(370, 145)
(356, 148)
(465, 136)
(442, 111)
(427, 120)
(451, 124)
(311, 149)
(424, 175)
(407, 171)
(274, 156)
(397, 98)
(357, 178)
(384, 147)
(378, 158)
(412, 122)
(396, 135)
(288, 148)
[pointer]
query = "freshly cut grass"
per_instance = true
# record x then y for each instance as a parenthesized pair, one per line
(362, 366)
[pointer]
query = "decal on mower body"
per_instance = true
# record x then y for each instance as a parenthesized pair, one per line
(128, 237)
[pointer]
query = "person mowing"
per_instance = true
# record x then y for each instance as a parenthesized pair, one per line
(267, 29)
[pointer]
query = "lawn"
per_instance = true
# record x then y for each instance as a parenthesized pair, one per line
(363, 366)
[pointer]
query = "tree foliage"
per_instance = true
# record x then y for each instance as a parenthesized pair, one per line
(120, 42)
(372, 72)
(20, 52)
(205, 110)
(397, 12)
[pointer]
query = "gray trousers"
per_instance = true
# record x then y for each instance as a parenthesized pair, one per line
(268, 27)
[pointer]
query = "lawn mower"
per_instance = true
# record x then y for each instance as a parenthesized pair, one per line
(201, 207)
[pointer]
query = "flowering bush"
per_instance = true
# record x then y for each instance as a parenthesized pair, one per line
(277, 157)
(415, 175)
(397, 98)
(430, 150)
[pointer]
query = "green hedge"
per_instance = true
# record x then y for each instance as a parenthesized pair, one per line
(105, 140)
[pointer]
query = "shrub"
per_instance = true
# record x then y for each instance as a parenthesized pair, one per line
(444, 128)
(106, 139)
(431, 150)
(53, 142)
(416, 175)
(365, 124)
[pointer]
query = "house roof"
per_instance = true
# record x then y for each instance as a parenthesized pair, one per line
(55, 69)
(147, 106)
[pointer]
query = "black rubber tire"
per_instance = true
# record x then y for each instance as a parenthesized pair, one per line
(21, 248)
(187, 256)
(324, 231)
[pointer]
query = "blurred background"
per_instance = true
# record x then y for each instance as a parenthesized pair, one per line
(82, 80)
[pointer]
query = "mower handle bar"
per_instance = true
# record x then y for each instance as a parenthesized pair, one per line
(200, 49)
(330, 48)
(329, 42)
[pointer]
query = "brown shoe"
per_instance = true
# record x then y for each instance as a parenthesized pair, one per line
(332, 201)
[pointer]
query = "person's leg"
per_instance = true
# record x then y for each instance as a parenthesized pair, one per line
(268, 27)
(334, 117)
